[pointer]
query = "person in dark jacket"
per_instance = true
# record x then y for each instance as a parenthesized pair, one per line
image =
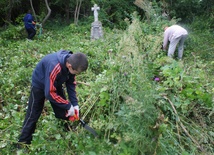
(49, 76)
(30, 25)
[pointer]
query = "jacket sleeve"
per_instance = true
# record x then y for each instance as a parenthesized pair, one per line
(51, 91)
(71, 89)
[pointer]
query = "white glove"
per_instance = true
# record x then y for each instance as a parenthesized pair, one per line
(70, 111)
(76, 109)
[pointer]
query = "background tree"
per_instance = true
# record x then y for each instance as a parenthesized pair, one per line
(77, 11)
(49, 12)
(112, 12)
(188, 10)
(32, 8)
(7, 11)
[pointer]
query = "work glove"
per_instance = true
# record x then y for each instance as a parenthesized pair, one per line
(76, 110)
(75, 117)
(70, 112)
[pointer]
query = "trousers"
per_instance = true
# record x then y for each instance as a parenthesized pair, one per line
(31, 33)
(173, 44)
(34, 110)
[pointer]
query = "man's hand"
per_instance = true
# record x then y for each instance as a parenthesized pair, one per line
(76, 115)
(76, 109)
(70, 111)
(161, 47)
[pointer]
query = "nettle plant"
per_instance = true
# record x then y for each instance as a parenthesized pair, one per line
(186, 85)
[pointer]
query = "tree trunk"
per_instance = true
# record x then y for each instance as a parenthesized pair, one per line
(34, 14)
(49, 12)
(9, 11)
(77, 11)
(67, 11)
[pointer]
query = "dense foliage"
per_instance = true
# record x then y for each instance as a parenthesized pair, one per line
(132, 113)
(112, 12)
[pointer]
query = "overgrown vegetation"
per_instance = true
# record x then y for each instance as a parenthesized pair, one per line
(132, 113)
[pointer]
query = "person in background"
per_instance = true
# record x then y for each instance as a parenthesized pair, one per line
(174, 34)
(30, 25)
(49, 76)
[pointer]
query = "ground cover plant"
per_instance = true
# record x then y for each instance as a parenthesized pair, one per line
(132, 113)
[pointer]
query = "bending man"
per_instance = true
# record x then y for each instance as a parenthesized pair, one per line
(174, 34)
(50, 74)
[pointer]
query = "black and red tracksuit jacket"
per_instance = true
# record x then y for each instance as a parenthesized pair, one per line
(50, 74)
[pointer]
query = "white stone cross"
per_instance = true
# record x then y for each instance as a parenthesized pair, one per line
(95, 8)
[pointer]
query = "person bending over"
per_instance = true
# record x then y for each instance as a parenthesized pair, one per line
(174, 34)
(49, 76)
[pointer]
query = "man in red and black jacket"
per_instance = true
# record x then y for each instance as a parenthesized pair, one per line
(50, 74)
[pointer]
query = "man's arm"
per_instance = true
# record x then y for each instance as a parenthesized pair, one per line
(71, 89)
(50, 89)
(165, 40)
(71, 86)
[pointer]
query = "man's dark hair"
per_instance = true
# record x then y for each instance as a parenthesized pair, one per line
(29, 11)
(78, 61)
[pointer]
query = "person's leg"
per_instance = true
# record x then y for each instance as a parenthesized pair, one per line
(31, 33)
(59, 113)
(181, 46)
(28, 33)
(172, 46)
(34, 110)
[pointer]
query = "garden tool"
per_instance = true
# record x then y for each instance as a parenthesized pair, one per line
(40, 29)
(88, 128)
(84, 125)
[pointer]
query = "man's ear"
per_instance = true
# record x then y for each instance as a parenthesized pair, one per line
(68, 65)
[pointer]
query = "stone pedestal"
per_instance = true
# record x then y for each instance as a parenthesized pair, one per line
(96, 30)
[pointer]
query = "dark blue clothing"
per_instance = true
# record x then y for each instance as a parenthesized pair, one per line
(47, 80)
(34, 110)
(31, 33)
(28, 19)
(29, 26)
(50, 74)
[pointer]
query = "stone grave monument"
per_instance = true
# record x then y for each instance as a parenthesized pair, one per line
(96, 26)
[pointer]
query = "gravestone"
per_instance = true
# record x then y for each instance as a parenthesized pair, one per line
(96, 26)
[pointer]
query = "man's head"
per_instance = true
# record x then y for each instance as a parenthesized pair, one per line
(77, 63)
(29, 11)
(166, 28)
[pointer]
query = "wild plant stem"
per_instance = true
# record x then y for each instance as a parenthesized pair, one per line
(181, 124)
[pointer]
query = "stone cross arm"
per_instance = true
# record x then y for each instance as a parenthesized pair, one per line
(95, 9)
